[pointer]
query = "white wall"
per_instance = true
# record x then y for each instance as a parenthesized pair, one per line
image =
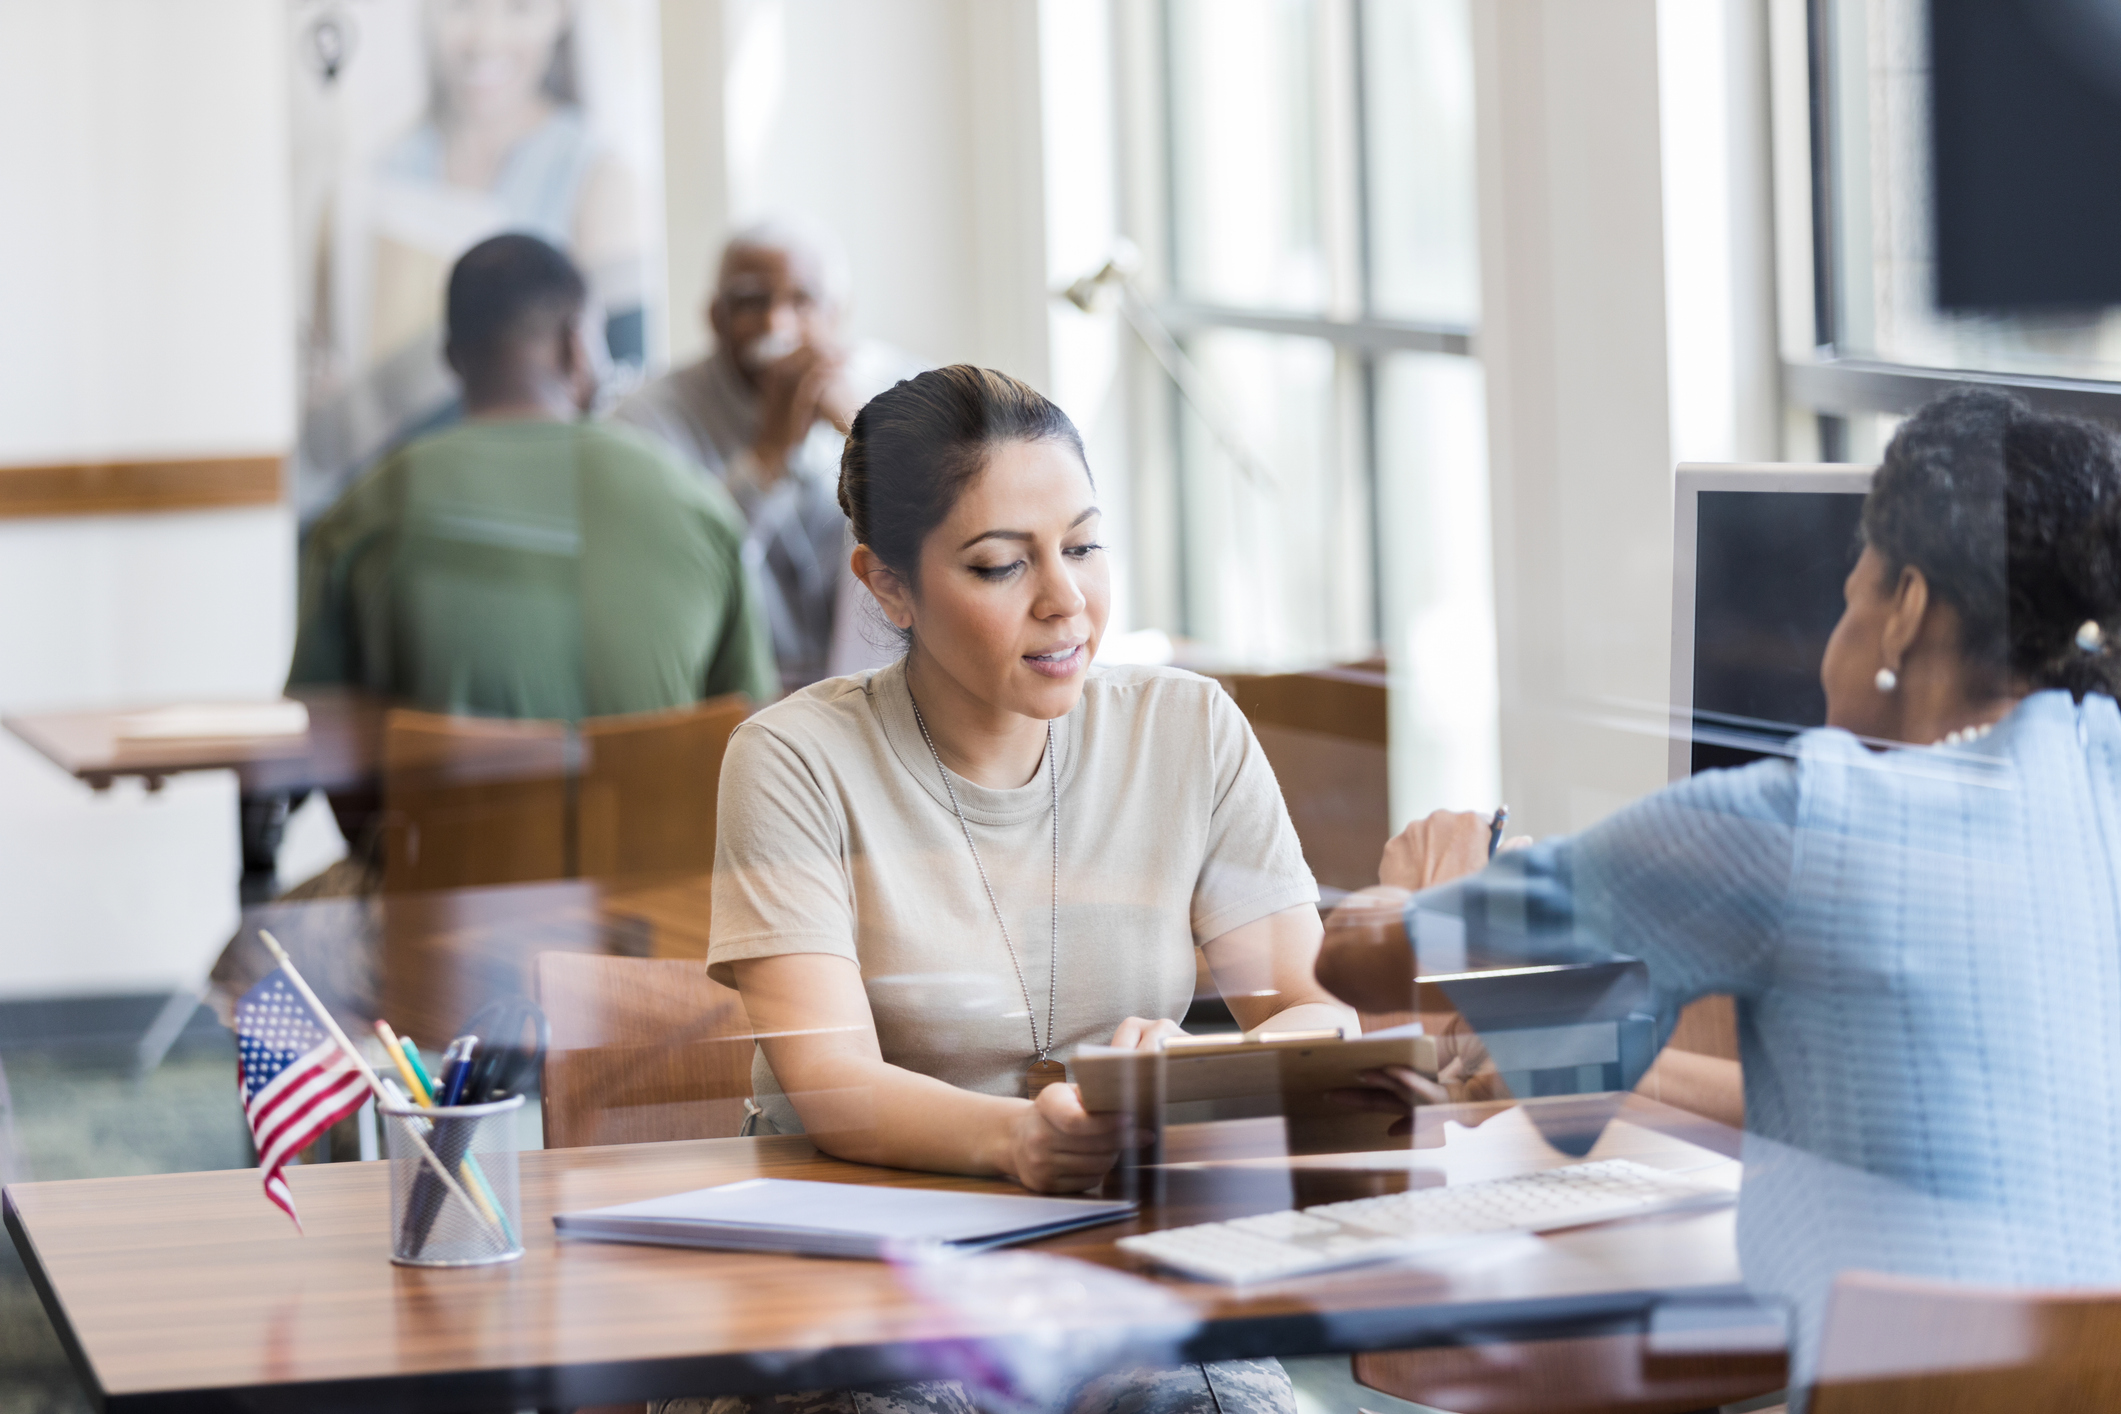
(145, 273)
(1627, 322)
(911, 128)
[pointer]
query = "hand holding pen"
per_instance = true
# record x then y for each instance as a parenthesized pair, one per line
(1443, 846)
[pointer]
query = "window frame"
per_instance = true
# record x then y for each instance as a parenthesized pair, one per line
(1359, 338)
(1831, 387)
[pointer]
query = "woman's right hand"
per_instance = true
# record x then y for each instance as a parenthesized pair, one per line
(1057, 1146)
(1447, 845)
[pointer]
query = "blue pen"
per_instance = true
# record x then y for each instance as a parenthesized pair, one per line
(456, 1069)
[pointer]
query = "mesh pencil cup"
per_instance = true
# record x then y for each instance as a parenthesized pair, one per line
(476, 1218)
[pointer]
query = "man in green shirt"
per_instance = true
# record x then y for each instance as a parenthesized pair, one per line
(525, 563)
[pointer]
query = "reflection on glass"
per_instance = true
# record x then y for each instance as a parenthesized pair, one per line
(1275, 574)
(1417, 58)
(1434, 568)
(1246, 179)
(1881, 267)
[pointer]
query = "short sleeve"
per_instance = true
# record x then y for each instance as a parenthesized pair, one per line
(780, 878)
(1253, 865)
(1693, 881)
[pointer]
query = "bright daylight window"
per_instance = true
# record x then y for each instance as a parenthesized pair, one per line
(1318, 261)
(1882, 339)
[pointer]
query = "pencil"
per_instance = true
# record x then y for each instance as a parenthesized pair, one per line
(397, 1056)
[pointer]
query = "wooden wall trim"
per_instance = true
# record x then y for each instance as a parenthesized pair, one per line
(115, 487)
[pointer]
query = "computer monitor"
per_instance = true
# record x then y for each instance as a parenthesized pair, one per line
(1759, 556)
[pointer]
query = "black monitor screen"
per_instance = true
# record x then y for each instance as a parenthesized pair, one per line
(2026, 174)
(1768, 569)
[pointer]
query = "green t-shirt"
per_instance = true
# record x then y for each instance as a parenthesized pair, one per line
(532, 569)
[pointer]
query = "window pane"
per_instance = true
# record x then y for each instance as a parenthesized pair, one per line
(1881, 271)
(1439, 602)
(1417, 58)
(1275, 574)
(1245, 169)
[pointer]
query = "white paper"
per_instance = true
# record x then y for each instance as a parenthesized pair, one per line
(209, 720)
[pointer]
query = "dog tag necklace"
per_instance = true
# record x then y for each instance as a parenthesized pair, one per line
(1043, 1070)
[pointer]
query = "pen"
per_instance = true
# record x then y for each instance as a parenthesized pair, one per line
(456, 1068)
(1502, 817)
(490, 1200)
(419, 1067)
(396, 1048)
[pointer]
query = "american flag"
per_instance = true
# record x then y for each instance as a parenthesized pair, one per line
(296, 1082)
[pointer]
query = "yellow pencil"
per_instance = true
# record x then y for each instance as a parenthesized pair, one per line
(397, 1055)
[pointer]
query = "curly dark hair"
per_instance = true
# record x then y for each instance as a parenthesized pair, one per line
(2014, 518)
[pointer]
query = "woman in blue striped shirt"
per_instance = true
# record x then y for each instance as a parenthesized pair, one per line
(1918, 912)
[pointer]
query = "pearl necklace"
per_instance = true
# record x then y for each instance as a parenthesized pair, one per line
(1965, 735)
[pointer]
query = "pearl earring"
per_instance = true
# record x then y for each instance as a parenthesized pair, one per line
(1886, 680)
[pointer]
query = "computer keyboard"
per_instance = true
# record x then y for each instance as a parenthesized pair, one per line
(1334, 1235)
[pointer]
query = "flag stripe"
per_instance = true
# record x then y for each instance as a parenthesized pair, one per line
(294, 1080)
(320, 1114)
(298, 1070)
(300, 1105)
(276, 1191)
(265, 1121)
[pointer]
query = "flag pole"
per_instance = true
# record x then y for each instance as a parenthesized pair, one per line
(287, 965)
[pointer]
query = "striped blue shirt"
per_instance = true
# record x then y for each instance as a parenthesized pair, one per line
(1924, 946)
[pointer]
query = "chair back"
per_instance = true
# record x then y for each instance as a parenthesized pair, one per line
(1597, 1374)
(642, 1049)
(648, 789)
(1324, 734)
(1897, 1345)
(473, 800)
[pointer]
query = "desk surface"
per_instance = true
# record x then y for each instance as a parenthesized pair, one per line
(187, 1289)
(340, 749)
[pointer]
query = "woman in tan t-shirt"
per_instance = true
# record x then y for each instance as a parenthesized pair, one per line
(933, 880)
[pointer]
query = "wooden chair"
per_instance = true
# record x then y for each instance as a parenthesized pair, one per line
(643, 1049)
(1324, 734)
(1896, 1345)
(473, 800)
(480, 800)
(648, 788)
(1607, 1374)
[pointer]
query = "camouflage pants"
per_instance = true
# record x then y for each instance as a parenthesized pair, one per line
(1225, 1387)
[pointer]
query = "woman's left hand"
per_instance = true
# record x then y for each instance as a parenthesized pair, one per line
(1138, 1033)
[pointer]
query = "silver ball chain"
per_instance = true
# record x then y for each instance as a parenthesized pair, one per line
(1053, 969)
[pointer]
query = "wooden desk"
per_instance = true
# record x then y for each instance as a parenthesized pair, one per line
(187, 1290)
(339, 751)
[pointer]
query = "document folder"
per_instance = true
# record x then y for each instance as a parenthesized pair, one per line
(836, 1219)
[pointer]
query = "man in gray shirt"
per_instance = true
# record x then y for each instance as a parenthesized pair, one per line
(766, 413)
